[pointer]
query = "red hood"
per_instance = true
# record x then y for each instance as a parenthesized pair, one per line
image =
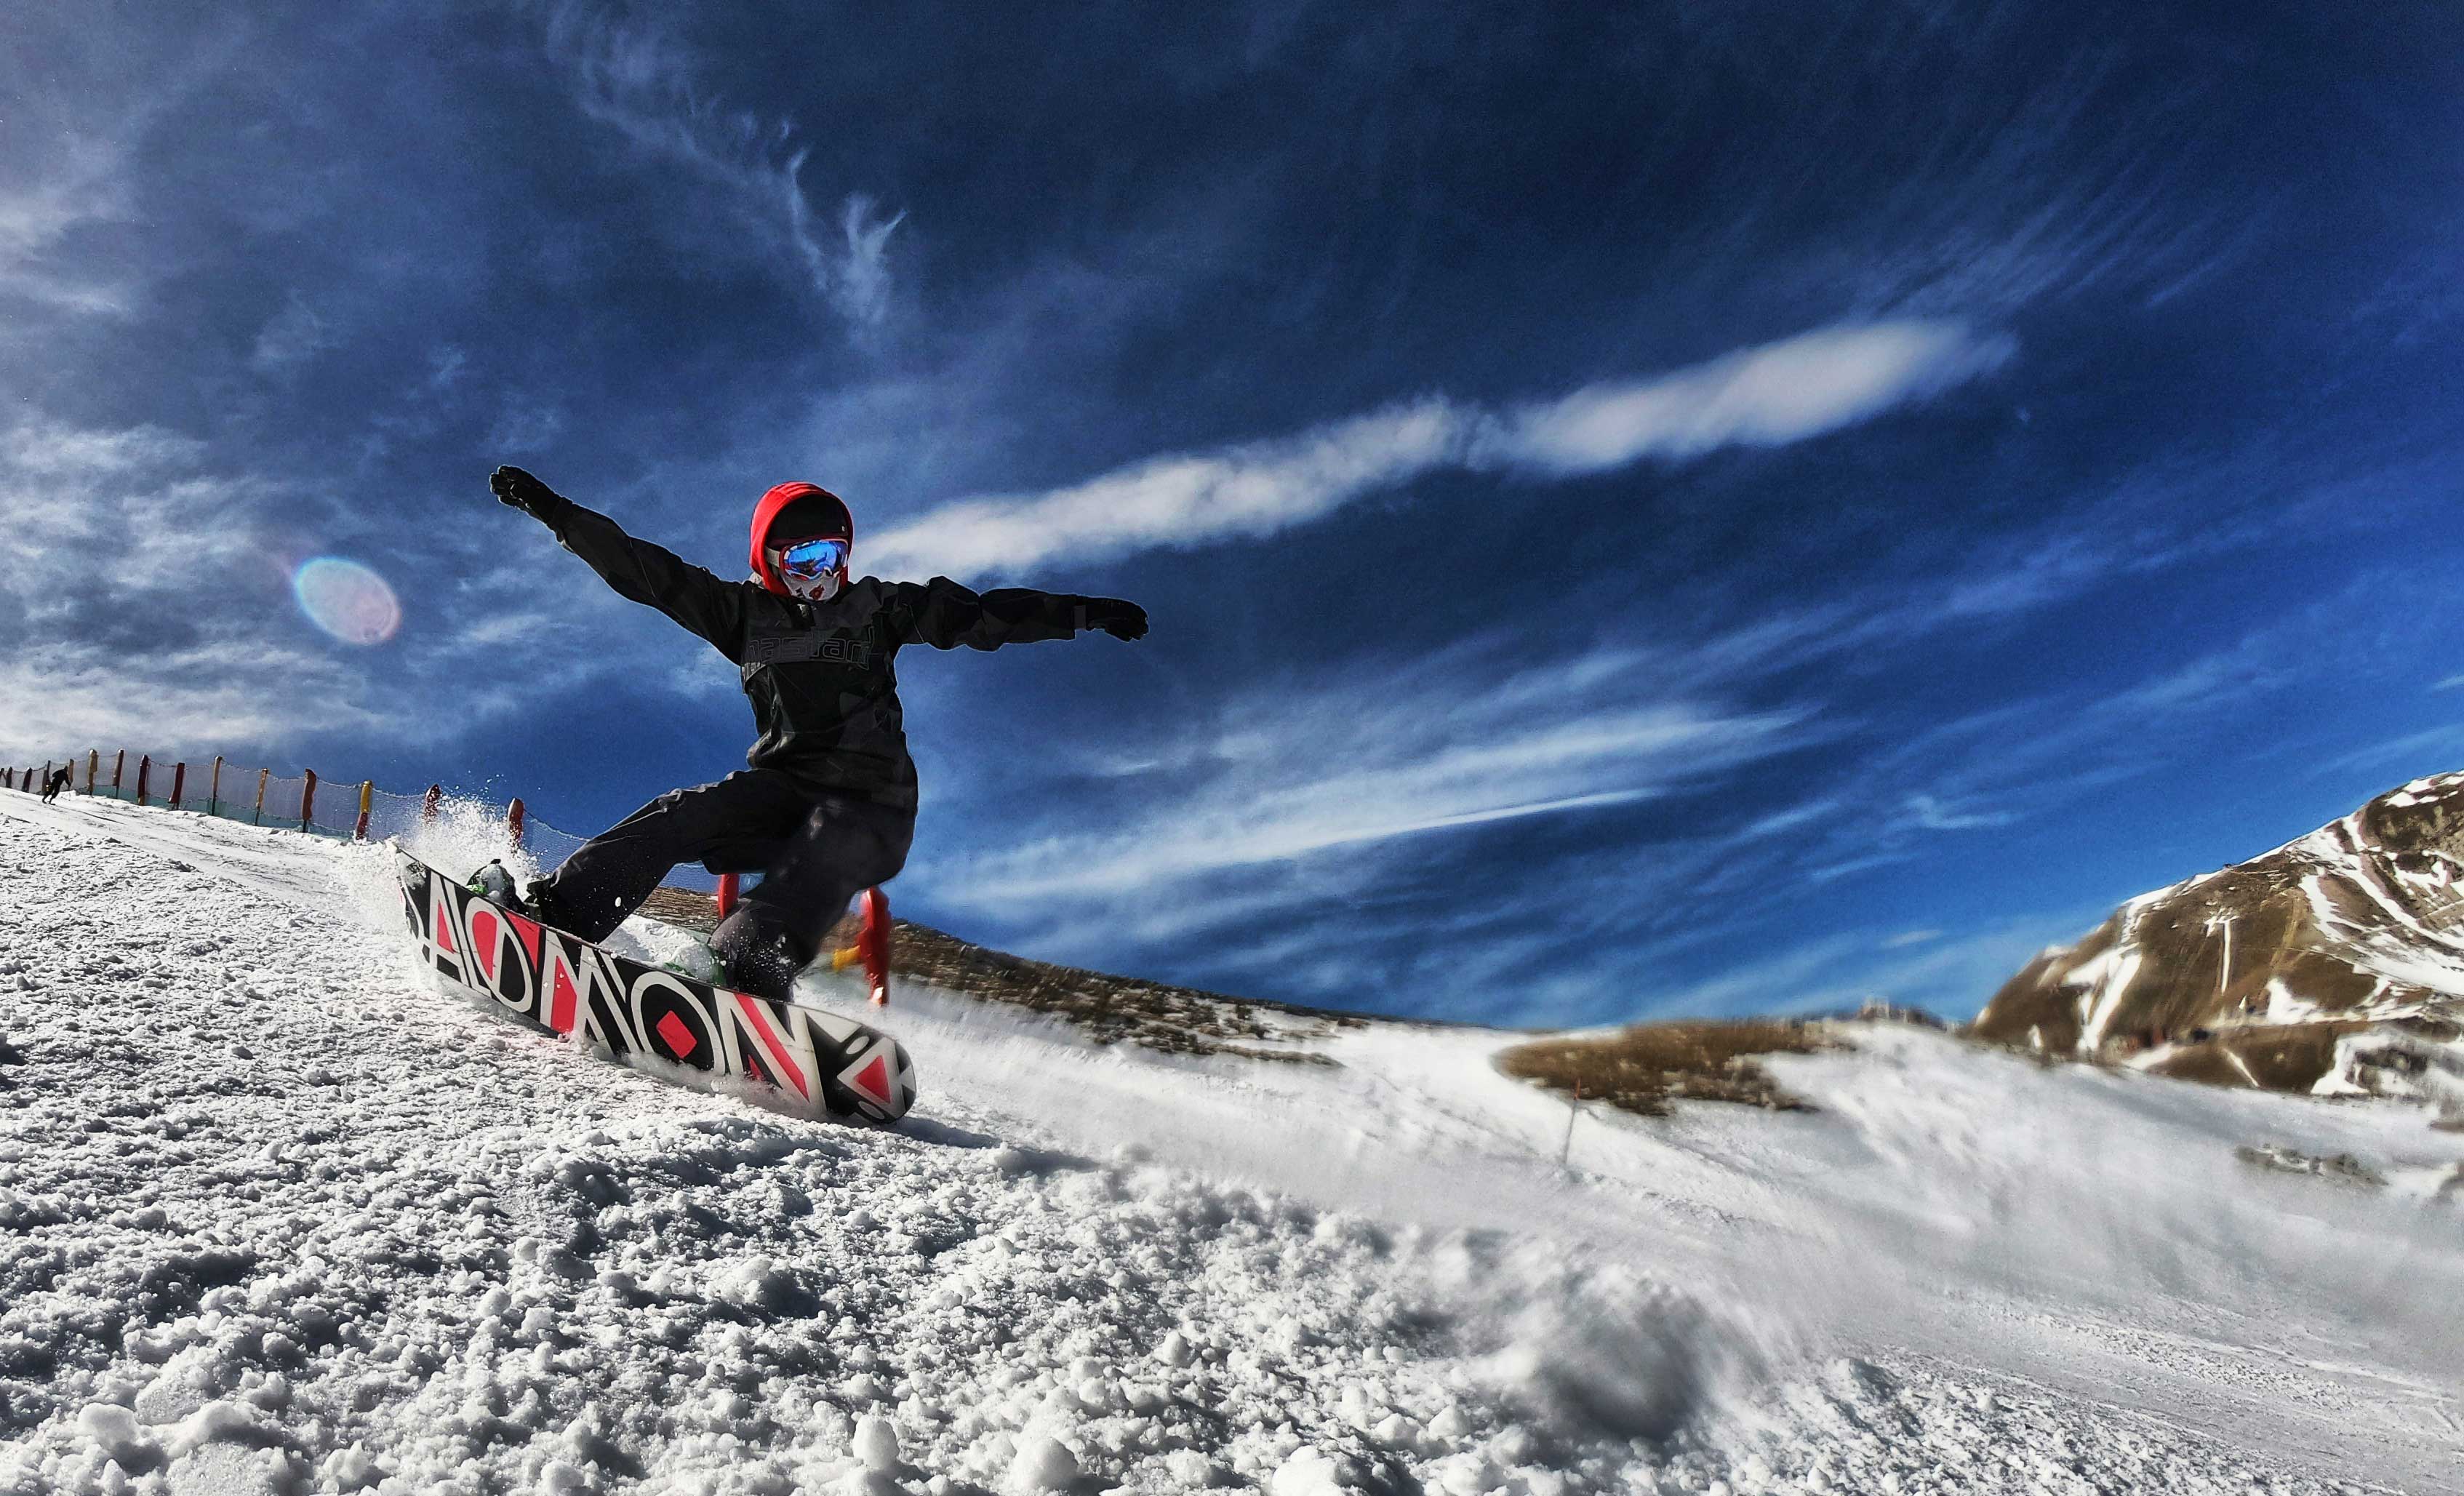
(767, 511)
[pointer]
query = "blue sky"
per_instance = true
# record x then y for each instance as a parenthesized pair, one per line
(1644, 509)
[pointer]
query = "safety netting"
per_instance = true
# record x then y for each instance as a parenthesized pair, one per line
(315, 803)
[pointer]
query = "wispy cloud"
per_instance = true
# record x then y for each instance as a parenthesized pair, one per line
(110, 544)
(1251, 490)
(84, 181)
(1768, 396)
(644, 84)
(1840, 972)
(1380, 755)
(291, 337)
(85, 91)
(1930, 814)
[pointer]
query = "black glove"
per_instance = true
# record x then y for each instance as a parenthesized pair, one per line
(525, 492)
(1121, 619)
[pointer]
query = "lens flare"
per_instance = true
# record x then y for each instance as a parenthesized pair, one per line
(347, 600)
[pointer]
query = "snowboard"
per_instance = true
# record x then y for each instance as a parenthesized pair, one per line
(649, 1017)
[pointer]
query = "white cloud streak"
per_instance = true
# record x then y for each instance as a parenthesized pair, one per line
(1773, 395)
(644, 84)
(1769, 396)
(1355, 763)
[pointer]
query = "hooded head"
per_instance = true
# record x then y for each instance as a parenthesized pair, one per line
(793, 512)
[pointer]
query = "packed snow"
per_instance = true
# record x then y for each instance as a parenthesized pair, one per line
(276, 1216)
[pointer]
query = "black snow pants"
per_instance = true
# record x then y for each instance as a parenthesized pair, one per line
(814, 853)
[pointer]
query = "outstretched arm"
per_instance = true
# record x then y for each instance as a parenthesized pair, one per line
(946, 615)
(648, 573)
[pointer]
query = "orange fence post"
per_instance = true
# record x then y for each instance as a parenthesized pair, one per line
(367, 793)
(214, 790)
(428, 806)
(262, 775)
(308, 801)
(179, 782)
(514, 820)
(116, 766)
(145, 768)
(874, 943)
(726, 900)
(92, 761)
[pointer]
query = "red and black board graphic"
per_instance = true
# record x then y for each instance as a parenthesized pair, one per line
(820, 1062)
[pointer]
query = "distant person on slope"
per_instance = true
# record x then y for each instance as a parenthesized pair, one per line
(827, 808)
(57, 782)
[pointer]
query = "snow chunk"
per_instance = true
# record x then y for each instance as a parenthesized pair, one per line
(221, 1423)
(115, 1431)
(756, 1283)
(560, 1479)
(876, 1442)
(1308, 1472)
(1043, 1463)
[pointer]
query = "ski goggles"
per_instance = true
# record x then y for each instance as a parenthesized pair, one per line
(813, 558)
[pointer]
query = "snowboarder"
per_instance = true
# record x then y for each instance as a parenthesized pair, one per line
(826, 806)
(57, 782)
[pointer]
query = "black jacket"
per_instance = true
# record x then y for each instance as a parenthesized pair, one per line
(821, 677)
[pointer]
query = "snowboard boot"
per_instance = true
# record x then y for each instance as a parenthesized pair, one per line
(495, 883)
(753, 965)
(698, 961)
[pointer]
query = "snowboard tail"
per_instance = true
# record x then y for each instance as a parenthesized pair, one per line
(819, 1062)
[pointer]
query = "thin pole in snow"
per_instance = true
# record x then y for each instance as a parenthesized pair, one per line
(262, 775)
(214, 791)
(1572, 1109)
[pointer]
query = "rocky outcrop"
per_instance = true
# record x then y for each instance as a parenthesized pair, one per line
(2333, 964)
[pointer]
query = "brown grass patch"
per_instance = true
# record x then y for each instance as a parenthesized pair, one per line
(1644, 1068)
(1110, 1009)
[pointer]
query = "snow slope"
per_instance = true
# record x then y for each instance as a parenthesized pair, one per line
(277, 1216)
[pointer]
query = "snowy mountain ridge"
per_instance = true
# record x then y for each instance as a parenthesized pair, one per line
(277, 1216)
(2333, 964)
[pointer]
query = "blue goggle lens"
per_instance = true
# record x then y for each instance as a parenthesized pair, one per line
(814, 558)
